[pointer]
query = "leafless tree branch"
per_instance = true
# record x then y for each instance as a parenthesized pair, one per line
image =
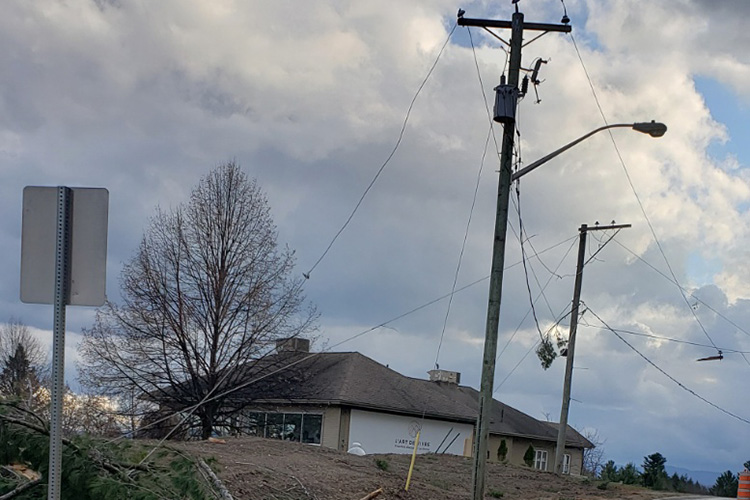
(205, 297)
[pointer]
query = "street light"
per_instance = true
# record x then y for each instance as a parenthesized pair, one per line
(652, 128)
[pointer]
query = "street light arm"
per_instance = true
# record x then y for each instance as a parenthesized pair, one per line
(654, 129)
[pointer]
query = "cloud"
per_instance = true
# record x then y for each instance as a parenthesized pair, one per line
(310, 99)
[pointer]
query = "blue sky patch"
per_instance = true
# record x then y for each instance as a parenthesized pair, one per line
(726, 108)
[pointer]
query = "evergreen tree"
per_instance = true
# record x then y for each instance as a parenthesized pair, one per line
(609, 472)
(726, 485)
(654, 475)
(502, 451)
(529, 456)
(629, 474)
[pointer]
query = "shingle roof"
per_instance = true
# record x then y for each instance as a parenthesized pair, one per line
(351, 379)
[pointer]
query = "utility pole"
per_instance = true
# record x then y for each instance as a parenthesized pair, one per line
(560, 450)
(506, 100)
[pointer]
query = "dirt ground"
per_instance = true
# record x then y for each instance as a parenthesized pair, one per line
(262, 469)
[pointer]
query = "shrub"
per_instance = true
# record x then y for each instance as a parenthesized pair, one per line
(502, 451)
(528, 457)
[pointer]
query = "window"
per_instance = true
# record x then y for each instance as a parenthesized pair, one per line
(274, 425)
(299, 427)
(540, 460)
(311, 426)
(566, 464)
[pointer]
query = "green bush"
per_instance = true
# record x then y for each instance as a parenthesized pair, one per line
(502, 451)
(528, 457)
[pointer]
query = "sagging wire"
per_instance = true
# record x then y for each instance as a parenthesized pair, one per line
(663, 372)
(635, 192)
(388, 159)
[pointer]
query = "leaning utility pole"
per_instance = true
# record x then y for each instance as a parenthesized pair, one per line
(506, 99)
(560, 450)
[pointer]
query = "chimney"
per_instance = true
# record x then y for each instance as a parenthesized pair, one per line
(294, 344)
(445, 376)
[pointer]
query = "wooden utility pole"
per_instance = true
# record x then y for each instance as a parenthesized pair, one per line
(560, 450)
(505, 112)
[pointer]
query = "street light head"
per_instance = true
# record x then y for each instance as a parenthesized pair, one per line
(652, 128)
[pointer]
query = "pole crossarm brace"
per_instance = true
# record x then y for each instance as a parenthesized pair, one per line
(654, 129)
(493, 23)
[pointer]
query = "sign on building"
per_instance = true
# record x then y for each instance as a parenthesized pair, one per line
(376, 432)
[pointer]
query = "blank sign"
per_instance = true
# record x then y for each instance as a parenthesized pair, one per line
(88, 260)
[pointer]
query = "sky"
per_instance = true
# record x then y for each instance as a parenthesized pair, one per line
(144, 98)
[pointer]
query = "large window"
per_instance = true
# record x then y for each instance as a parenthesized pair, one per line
(540, 460)
(300, 427)
(566, 464)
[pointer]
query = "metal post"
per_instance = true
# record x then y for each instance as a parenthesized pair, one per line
(62, 282)
(560, 450)
(496, 276)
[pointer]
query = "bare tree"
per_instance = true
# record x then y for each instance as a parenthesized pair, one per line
(593, 458)
(208, 291)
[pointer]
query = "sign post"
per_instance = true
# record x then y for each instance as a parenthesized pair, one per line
(63, 261)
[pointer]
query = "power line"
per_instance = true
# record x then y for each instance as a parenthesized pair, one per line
(388, 159)
(724, 350)
(637, 197)
(210, 396)
(670, 377)
(473, 204)
(708, 306)
(528, 311)
(555, 325)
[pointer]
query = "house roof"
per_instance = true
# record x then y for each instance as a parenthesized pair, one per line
(352, 379)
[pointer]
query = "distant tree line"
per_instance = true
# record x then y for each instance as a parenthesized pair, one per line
(653, 475)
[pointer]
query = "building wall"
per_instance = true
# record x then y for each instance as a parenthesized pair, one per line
(331, 424)
(576, 460)
(343, 434)
(378, 432)
(494, 444)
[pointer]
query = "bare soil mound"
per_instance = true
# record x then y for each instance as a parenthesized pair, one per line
(260, 469)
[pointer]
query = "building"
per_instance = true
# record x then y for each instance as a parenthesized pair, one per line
(349, 402)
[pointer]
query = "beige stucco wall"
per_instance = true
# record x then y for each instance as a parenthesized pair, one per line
(336, 425)
(331, 424)
(517, 448)
(346, 415)
(494, 444)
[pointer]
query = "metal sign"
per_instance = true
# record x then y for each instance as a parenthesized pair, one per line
(63, 261)
(88, 246)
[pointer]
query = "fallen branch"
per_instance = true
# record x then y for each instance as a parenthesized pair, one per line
(307, 493)
(112, 467)
(21, 489)
(372, 495)
(223, 491)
